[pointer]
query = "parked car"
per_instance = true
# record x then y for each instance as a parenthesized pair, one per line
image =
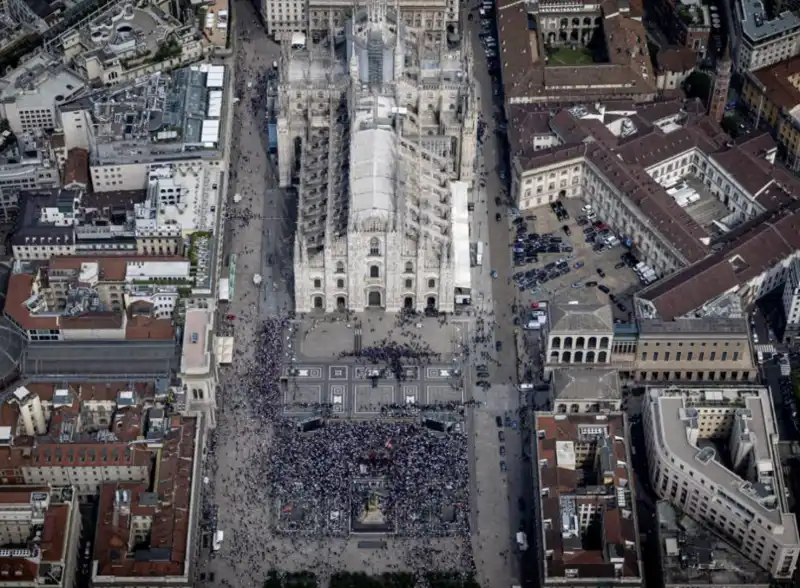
(604, 289)
(601, 273)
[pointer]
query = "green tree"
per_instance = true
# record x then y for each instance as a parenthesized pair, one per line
(698, 85)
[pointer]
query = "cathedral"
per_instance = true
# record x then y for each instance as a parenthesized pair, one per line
(377, 132)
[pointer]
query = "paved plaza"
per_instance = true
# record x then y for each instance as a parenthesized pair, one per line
(324, 365)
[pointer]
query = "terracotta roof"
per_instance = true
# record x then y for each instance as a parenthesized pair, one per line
(94, 320)
(752, 250)
(169, 546)
(623, 162)
(526, 75)
(739, 164)
(774, 81)
(675, 59)
(19, 290)
(46, 454)
(113, 267)
(568, 490)
(55, 533)
(76, 168)
(10, 495)
(143, 327)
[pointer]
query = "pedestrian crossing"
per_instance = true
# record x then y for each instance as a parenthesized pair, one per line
(765, 349)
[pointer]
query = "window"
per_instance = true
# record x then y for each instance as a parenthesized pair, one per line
(317, 283)
(409, 284)
(340, 283)
(339, 267)
(375, 246)
(644, 355)
(431, 283)
(409, 267)
(374, 271)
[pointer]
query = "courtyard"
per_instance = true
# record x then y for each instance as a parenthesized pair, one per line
(569, 56)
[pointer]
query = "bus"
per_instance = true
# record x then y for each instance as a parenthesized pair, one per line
(479, 253)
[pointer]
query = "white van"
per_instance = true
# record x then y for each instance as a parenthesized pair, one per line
(217, 543)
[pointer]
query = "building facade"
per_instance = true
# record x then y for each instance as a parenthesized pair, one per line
(791, 304)
(763, 37)
(379, 235)
(745, 504)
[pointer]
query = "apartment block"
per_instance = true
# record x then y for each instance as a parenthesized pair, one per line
(740, 493)
(26, 163)
(76, 222)
(33, 92)
(763, 35)
(587, 531)
(791, 304)
(102, 298)
(39, 531)
(121, 443)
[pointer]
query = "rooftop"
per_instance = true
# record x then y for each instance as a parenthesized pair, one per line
(196, 347)
(585, 384)
(722, 327)
(692, 554)
(29, 302)
(174, 114)
(676, 416)
(760, 26)
(40, 83)
(127, 30)
(626, 142)
(166, 505)
(575, 313)
(588, 522)
(45, 217)
(778, 84)
(744, 254)
(48, 521)
(527, 77)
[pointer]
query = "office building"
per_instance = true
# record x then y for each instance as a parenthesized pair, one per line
(386, 153)
(585, 390)
(740, 493)
(585, 521)
(31, 95)
(763, 36)
(771, 96)
(694, 555)
(708, 349)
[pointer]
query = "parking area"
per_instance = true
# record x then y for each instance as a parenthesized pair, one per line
(564, 247)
